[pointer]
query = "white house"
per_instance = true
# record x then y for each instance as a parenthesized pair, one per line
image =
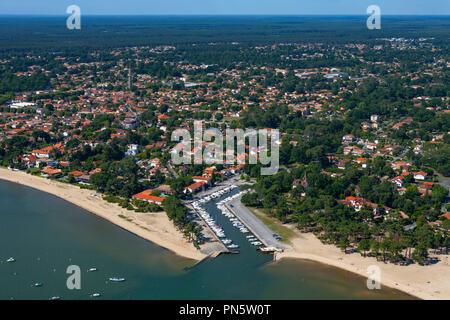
(132, 150)
(21, 105)
(420, 175)
(399, 181)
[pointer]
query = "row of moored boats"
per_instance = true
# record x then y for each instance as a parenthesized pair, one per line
(217, 194)
(218, 231)
(234, 220)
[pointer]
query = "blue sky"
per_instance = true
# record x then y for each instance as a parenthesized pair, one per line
(294, 7)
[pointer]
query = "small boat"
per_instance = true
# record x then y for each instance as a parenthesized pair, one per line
(233, 246)
(95, 295)
(38, 284)
(55, 298)
(11, 260)
(92, 269)
(115, 279)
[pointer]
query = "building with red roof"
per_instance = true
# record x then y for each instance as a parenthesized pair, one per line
(147, 196)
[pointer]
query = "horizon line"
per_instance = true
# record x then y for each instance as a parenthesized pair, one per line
(223, 14)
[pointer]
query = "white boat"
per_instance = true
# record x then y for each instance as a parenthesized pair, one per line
(11, 260)
(233, 246)
(115, 279)
(92, 269)
(95, 295)
(55, 298)
(269, 249)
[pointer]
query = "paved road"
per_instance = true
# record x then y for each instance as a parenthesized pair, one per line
(401, 155)
(444, 181)
(256, 226)
(172, 171)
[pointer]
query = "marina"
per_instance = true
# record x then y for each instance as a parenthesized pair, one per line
(252, 239)
(212, 224)
(225, 207)
(246, 220)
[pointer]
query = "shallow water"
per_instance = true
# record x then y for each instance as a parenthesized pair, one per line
(46, 234)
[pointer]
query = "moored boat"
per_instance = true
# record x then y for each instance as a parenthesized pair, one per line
(116, 279)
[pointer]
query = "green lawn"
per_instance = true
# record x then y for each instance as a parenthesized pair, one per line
(275, 225)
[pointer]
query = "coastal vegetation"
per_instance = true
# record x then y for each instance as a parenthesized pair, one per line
(178, 213)
(375, 229)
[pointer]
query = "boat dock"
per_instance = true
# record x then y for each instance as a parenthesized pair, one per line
(256, 226)
(216, 245)
(226, 245)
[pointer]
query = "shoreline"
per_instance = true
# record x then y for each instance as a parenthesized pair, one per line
(154, 227)
(430, 282)
(424, 282)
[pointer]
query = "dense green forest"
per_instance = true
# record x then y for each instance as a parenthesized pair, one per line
(21, 31)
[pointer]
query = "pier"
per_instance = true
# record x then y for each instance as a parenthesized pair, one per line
(252, 223)
(215, 246)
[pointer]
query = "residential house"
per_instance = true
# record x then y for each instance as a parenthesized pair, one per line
(147, 196)
(420, 175)
(196, 187)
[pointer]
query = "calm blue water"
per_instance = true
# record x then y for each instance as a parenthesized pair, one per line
(46, 234)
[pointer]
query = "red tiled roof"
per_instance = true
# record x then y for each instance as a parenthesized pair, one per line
(201, 178)
(77, 173)
(147, 195)
(447, 215)
(51, 171)
(196, 185)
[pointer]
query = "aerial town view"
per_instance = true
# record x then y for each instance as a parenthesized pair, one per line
(224, 154)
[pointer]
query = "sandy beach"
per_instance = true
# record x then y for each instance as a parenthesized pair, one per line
(155, 227)
(425, 282)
